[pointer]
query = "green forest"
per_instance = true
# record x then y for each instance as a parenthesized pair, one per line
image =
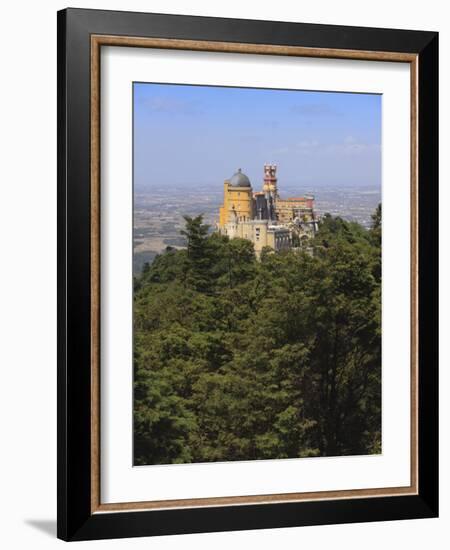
(237, 358)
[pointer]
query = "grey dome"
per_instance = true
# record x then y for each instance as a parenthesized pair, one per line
(239, 179)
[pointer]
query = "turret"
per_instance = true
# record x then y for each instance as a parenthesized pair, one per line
(270, 180)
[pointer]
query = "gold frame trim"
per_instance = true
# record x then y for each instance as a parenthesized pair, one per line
(97, 41)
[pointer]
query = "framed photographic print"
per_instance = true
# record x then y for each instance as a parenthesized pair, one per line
(247, 274)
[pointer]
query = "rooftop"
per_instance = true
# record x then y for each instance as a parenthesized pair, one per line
(239, 179)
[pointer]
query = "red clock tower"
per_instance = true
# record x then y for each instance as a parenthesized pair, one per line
(270, 180)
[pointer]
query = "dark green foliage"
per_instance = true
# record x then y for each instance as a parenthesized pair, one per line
(239, 359)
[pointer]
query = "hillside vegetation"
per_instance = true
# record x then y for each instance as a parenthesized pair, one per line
(240, 359)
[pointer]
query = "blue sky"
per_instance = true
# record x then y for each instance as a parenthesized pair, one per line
(202, 134)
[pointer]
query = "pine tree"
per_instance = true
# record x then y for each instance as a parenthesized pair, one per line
(199, 254)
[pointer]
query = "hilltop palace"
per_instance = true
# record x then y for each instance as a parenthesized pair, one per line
(263, 217)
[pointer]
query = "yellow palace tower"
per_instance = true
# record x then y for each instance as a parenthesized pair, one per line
(237, 200)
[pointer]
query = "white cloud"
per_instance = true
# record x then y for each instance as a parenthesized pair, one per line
(349, 146)
(164, 104)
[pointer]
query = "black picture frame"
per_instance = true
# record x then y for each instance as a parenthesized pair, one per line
(75, 518)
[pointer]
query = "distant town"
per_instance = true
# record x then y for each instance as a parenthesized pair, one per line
(158, 213)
